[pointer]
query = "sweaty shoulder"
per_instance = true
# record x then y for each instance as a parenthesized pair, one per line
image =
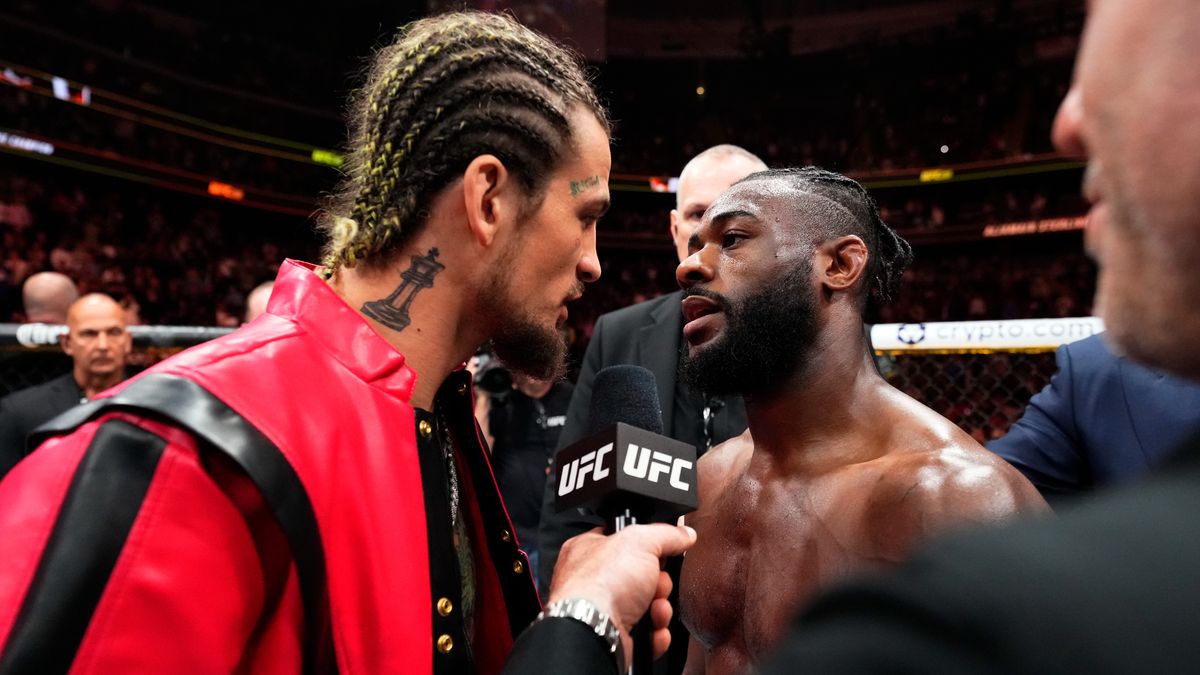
(723, 463)
(936, 477)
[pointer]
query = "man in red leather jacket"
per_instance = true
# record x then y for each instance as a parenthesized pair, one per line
(310, 494)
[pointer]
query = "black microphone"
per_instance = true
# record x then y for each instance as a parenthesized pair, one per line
(625, 469)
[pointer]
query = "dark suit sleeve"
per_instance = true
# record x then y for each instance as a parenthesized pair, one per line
(1045, 444)
(20, 413)
(12, 442)
(554, 527)
(559, 646)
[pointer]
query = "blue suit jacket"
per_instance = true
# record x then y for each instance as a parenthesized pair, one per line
(1102, 420)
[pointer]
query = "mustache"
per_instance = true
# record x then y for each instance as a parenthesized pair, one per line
(576, 291)
(724, 302)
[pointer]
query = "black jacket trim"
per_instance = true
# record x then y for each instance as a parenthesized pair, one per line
(102, 503)
(518, 587)
(183, 403)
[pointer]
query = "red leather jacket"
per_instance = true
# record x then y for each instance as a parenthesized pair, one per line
(188, 587)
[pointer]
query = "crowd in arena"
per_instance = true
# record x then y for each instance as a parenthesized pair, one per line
(986, 96)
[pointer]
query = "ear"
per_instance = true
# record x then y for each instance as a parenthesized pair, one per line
(64, 341)
(842, 262)
(489, 196)
(674, 224)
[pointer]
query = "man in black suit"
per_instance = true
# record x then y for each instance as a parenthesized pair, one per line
(97, 342)
(46, 296)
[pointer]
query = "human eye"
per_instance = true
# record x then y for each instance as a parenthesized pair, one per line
(731, 238)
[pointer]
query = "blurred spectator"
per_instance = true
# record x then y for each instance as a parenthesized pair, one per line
(47, 296)
(97, 342)
(524, 424)
(256, 301)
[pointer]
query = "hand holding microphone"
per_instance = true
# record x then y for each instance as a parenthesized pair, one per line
(629, 473)
(621, 575)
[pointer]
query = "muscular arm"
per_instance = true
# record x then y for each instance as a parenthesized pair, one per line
(122, 555)
(929, 493)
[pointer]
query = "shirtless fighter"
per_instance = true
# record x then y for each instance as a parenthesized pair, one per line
(839, 471)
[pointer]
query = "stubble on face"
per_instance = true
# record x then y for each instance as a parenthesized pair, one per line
(523, 343)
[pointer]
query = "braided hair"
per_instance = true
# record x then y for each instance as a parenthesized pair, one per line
(888, 254)
(448, 89)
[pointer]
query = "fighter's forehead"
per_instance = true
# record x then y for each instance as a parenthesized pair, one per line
(767, 200)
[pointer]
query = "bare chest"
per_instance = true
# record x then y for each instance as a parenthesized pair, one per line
(764, 549)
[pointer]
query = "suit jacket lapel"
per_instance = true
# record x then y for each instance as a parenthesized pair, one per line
(658, 349)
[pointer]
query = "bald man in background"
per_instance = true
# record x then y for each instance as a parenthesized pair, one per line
(47, 296)
(256, 300)
(98, 343)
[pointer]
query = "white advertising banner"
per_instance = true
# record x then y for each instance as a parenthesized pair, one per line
(983, 335)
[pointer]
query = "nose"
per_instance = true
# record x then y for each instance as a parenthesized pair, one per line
(1066, 134)
(588, 269)
(694, 269)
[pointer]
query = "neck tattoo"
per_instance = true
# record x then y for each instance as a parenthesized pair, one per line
(392, 311)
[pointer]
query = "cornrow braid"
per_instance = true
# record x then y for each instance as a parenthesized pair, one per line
(448, 89)
(888, 253)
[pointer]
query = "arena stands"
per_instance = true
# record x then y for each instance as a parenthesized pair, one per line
(947, 125)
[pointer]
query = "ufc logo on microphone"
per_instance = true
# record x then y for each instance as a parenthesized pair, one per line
(653, 465)
(575, 474)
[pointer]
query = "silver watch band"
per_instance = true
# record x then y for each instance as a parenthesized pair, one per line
(601, 624)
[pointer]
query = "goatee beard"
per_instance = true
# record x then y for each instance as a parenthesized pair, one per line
(529, 349)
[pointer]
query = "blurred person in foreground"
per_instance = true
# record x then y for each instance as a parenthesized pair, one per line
(838, 472)
(98, 345)
(1110, 586)
(309, 494)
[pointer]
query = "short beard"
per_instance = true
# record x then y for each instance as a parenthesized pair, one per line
(521, 343)
(526, 348)
(766, 340)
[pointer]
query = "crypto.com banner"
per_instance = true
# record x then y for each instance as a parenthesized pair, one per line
(970, 335)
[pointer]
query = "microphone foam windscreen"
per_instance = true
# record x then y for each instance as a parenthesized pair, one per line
(626, 394)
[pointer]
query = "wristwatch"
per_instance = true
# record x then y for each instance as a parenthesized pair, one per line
(601, 624)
